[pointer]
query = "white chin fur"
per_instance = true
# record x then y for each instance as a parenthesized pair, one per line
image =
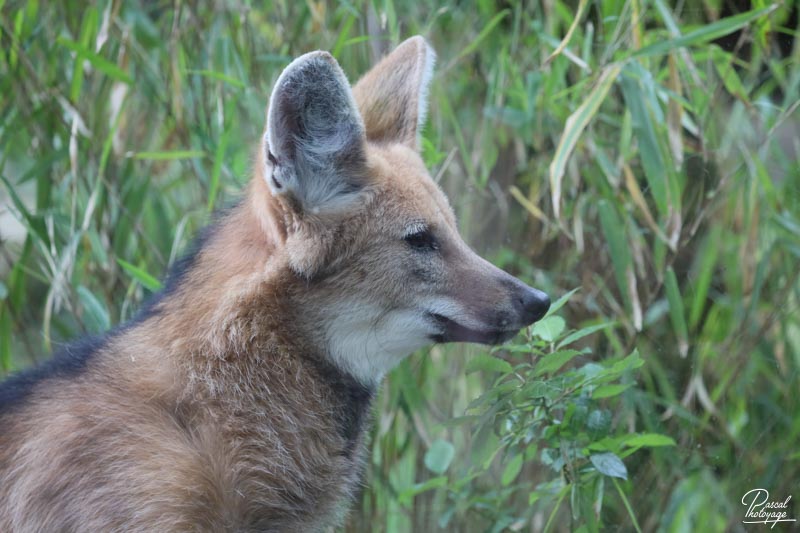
(367, 341)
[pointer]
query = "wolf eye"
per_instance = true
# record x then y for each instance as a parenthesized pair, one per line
(422, 240)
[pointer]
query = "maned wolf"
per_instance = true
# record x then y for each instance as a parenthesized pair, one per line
(239, 398)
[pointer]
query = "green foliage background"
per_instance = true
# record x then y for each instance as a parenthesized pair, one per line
(641, 151)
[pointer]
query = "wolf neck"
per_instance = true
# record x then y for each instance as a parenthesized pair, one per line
(230, 329)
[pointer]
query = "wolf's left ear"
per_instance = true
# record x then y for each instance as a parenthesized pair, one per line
(393, 95)
(315, 136)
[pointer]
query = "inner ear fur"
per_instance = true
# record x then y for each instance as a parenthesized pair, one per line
(315, 136)
(393, 96)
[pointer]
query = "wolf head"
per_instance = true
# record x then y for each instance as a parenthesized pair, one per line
(384, 271)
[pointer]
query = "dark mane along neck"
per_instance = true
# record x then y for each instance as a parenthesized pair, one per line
(352, 398)
(227, 319)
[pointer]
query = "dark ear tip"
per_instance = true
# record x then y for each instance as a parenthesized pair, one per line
(325, 55)
(317, 68)
(313, 68)
(318, 58)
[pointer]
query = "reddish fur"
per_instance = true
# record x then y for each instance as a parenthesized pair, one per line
(172, 413)
(220, 411)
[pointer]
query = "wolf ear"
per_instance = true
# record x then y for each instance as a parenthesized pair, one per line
(393, 95)
(315, 136)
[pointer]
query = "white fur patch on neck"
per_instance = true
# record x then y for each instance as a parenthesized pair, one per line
(367, 341)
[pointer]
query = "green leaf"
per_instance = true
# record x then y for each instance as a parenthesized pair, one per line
(554, 361)
(460, 421)
(723, 63)
(614, 233)
(219, 155)
(705, 271)
(5, 338)
(650, 440)
(485, 444)
(100, 63)
(140, 275)
(13, 56)
(607, 391)
(487, 363)
(343, 33)
(166, 156)
(599, 420)
(3, 291)
(549, 328)
(33, 224)
(637, 94)
(609, 464)
(705, 33)
(406, 496)
(406, 383)
(558, 304)
(218, 76)
(538, 389)
(512, 470)
(573, 128)
(581, 333)
(676, 310)
(471, 47)
(631, 362)
(627, 506)
(439, 456)
(96, 316)
(99, 252)
(88, 32)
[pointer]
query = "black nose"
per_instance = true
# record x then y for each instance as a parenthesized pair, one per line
(533, 304)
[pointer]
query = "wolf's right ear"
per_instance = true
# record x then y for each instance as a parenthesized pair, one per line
(393, 95)
(315, 136)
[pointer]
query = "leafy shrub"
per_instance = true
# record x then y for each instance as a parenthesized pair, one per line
(548, 405)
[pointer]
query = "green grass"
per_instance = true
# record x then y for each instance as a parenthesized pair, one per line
(646, 156)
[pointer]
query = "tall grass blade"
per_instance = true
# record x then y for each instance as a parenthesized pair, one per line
(706, 33)
(676, 311)
(100, 63)
(140, 275)
(614, 233)
(169, 156)
(575, 125)
(487, 29)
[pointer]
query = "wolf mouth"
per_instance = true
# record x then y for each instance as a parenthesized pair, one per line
(452, 331)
